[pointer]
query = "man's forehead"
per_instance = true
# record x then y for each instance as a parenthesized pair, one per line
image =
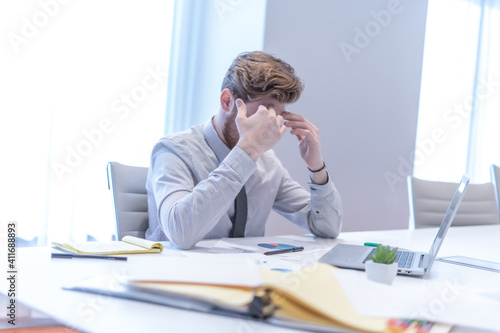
(270, 100)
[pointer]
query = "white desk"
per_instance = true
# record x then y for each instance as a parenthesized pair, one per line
(40, 280)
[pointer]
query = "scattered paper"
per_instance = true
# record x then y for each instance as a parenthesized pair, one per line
(207, 269)
(446, 301)
(265, 244)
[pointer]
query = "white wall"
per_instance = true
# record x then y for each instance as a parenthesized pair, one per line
(365, 104)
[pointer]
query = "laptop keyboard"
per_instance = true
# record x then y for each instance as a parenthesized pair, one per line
(403, 258)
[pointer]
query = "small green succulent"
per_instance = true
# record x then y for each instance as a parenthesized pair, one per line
(384, 254)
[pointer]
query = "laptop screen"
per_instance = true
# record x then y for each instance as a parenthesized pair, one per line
(448, 218)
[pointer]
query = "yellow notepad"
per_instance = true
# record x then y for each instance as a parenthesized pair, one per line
(128, 245)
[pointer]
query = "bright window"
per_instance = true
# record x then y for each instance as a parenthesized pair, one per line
(83, 83)
(460, 94)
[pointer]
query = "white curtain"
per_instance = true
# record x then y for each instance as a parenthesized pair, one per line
(207, 36)
(186, 63)
(484, 143)
(83, 83)
(460, 93)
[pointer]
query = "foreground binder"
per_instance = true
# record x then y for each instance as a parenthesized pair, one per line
(310, 298)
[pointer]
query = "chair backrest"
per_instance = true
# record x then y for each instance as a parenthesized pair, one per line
(429, 201)
(128, 186)
(495, 179)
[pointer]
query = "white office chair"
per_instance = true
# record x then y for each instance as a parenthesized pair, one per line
(128, 186)
(495, 179)
(429, 201)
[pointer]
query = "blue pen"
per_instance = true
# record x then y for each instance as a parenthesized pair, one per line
(292, 249)
(86, 256)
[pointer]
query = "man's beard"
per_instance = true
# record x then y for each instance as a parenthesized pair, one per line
(230, 131)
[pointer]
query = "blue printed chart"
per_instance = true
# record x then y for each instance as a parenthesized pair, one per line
(264, 244)
(276, 246)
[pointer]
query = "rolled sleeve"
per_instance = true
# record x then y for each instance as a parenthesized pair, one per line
(326, 210)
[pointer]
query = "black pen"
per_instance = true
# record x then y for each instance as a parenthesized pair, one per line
(292, 249)
(86, 256)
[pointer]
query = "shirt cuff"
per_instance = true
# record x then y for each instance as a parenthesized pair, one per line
(241, 163)
(321, 190)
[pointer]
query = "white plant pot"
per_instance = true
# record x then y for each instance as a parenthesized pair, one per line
(382, 273)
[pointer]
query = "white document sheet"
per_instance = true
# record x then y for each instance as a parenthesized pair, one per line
(446, 301)
(208, 269)
(265, 244)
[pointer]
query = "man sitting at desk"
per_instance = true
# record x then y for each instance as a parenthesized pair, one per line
(196, 175)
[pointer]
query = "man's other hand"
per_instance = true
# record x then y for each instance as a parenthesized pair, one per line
(309, 144)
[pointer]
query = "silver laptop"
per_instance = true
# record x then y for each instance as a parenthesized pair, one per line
(409, 262)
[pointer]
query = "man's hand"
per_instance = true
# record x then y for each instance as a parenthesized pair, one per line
(309, 144)
(259, 132)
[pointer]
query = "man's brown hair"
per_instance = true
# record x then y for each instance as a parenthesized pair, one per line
(256, 75)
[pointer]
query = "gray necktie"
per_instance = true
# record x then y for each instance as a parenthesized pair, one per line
(240, 215)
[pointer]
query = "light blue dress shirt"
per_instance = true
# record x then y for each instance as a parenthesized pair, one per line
(193, 181)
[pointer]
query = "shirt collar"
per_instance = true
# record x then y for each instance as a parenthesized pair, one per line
(214, 141)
